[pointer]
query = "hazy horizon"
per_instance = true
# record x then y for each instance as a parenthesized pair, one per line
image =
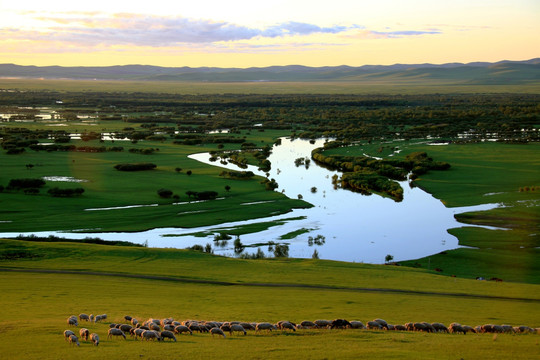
(243, 34)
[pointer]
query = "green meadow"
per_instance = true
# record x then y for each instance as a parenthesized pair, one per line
(253, 291)
(106, 187)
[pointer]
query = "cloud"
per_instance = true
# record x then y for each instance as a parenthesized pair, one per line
(98, 31)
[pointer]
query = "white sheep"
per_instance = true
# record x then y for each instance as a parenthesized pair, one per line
(237, 328)
(182, 329)
(73, 340)
(115, 332)
(84, 317)
(357, 325)
(94, 338)
(323, 323)
(67, 334)
(72, 321)
(166, 334)
(265, 326)
(151, 335)
(84, 333)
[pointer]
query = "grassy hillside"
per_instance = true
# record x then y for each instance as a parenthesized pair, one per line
(40, 303)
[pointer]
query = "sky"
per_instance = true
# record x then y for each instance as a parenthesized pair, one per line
(253, 33)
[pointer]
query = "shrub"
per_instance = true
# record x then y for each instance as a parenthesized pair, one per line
(57, 192)
(135, 167)
(165, 193)
(17, 184)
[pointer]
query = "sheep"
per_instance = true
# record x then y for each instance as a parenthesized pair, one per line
(128, 318)
(487, 328)
(308, 324)
(526, 329)
(91, 317)
(357, 325)
(84, 317)
(197, 327)
(373, 325)
(115, 332)
(84, 333)
(287, 325)
(67, 334)
(151, 335)
(508, 328)
(400, 328)
(98, 318)
(265, 326)
(237, 328)
(154, 326)
(439, 327)
(94, 338)
(340, 324)
(247, 326)
(137, 332)
(134, 321)
(217, 331)
(420, 327)
(182, 329)
(113, 325)
(498, 329)
(455, 328)
(73, 340)
(429, 327)
(323, 323)
(125, 327)
(409, 326)
(166, 334)
(72, 321)
(169, 327)
(381, 322)
(468, 328)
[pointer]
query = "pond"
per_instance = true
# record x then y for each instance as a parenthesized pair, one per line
(355, 227)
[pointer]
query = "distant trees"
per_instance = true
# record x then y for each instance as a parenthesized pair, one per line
(135, 167)
(202, 195)
(58, 192)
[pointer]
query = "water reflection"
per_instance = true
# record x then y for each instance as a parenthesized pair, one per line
(349, 226)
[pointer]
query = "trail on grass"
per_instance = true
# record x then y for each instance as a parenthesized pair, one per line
(284, 285)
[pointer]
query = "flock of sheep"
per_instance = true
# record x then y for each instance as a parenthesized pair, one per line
(160, 330)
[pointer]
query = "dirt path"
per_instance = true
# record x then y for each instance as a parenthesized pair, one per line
(298, 286)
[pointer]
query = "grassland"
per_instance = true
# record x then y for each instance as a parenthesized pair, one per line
(482, 173)
(106, 187)
(359, 87)
(39, 304)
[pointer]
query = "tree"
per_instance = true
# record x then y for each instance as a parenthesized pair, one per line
(227, 188)
(189, 173)
(281, 250)
(178, 169)
(238, 246)
(388, 258)
(165, 193)
(315, 254)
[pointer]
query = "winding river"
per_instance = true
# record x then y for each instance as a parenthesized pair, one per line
(355, 227)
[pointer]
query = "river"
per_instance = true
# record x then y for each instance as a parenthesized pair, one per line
(355, 227)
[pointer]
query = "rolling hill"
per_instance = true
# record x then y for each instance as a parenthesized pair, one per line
(478, 73)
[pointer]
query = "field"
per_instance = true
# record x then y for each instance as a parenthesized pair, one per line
(45, 282)
(40, 303)
(332, 87)
(106, 187)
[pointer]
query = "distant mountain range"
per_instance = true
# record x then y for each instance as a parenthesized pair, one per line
(476, 73)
